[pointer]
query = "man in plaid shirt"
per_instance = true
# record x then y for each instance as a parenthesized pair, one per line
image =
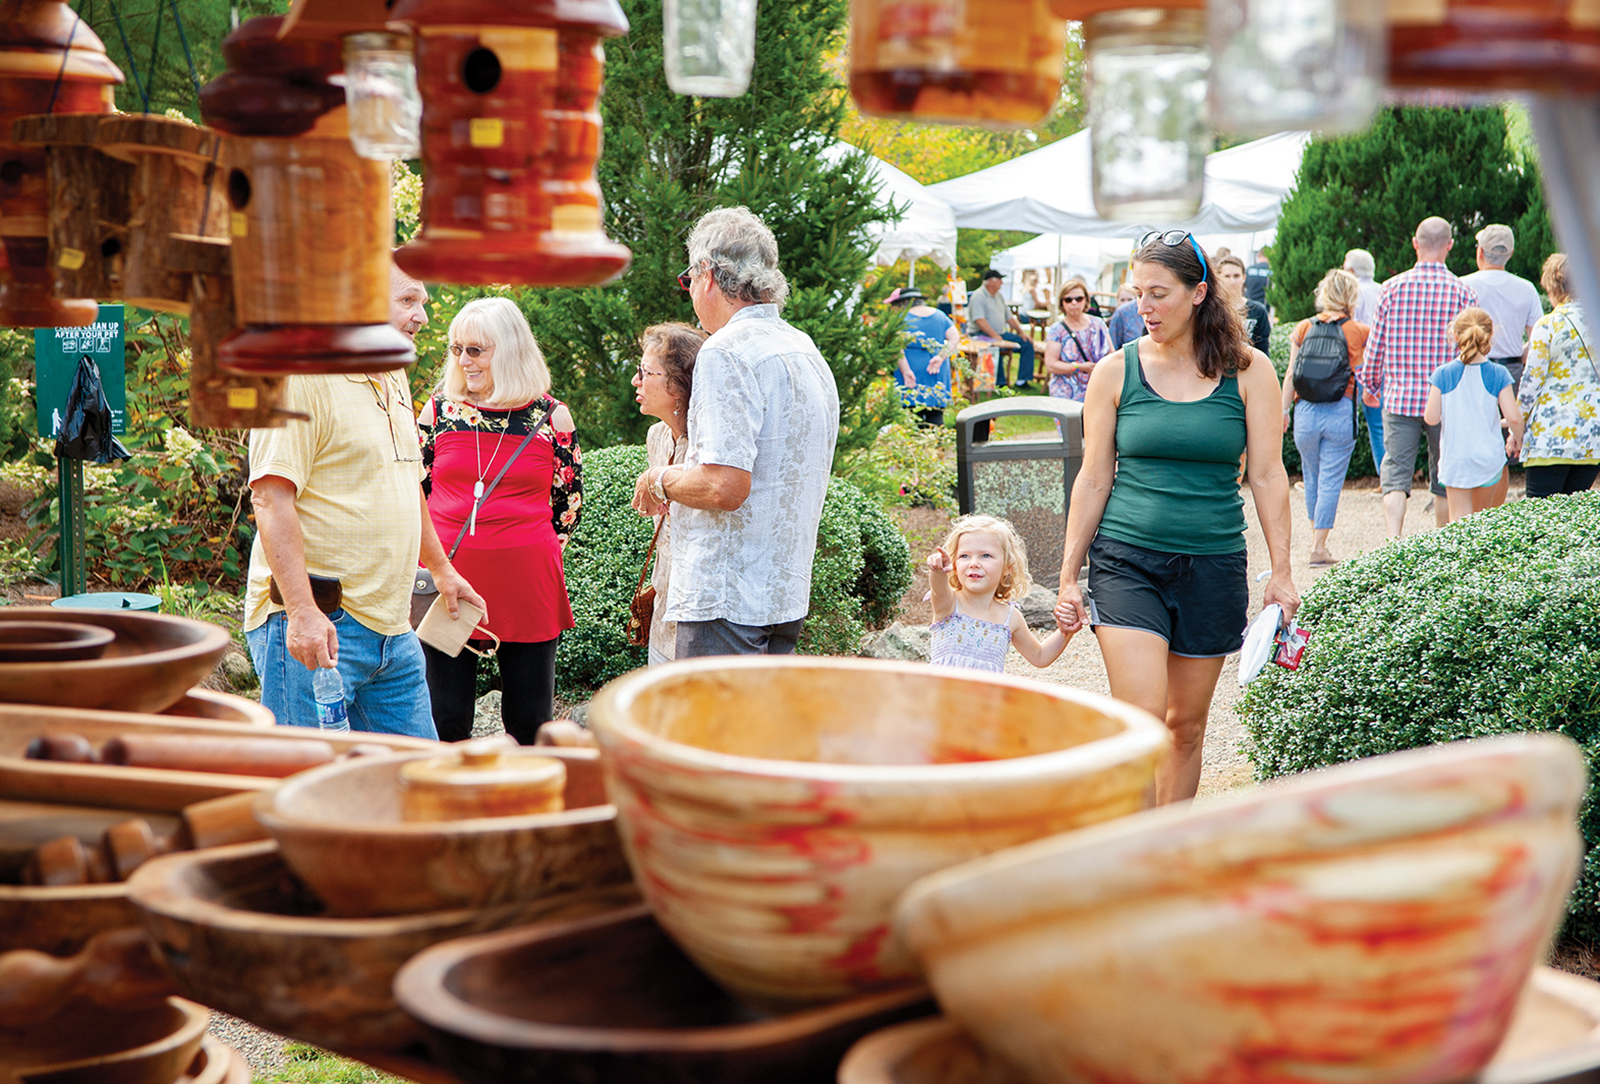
(1410, 339)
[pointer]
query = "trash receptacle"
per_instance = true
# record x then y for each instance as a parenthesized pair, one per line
(111, 600)
(1027, 480)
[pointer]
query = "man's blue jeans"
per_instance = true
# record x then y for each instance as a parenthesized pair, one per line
(385, 678)
(1024, 358)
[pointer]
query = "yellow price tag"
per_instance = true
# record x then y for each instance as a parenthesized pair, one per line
(241, 398)
(238, 224)
(71, 258)
(486, 132)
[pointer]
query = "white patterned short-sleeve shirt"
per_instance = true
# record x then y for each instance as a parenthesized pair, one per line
(764, 401)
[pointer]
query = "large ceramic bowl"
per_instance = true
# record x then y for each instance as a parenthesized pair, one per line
(153, 661)
(1370, 922)
(341, 831)
(774, 808)
(238, 932)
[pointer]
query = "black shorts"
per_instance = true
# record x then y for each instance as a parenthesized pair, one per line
(1198, 605)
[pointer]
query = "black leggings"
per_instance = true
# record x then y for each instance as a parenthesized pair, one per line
(527, 689)
(1561, 478)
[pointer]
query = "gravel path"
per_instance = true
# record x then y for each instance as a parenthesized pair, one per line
(1359, 528)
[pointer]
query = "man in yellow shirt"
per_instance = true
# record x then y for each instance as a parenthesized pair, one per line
(340, 496)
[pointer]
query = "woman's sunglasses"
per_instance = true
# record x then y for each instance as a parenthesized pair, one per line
(1174, 238)
(1075, 299)
(473, 352)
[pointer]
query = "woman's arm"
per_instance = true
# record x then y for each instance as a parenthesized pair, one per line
(1053, 362)
(1093, 485)
(1538, 366)
(1513, 414)
(1269, 482)
(905, 371)
(1433, 413)
(1037, 653)
(566, 477)
(944, 599)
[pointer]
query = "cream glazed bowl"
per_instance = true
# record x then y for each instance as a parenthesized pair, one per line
(1372, 922)
(773, 808)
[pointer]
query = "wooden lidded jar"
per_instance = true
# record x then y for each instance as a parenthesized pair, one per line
(89, 204)
(310, 221)
(510, 138)
(50, 62)
(177, 189)
(488, 777)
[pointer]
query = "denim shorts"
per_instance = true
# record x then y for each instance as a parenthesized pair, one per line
(1198, 604)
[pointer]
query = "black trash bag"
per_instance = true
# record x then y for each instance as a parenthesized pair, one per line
(86, 431)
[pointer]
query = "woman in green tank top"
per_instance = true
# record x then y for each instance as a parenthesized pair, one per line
(1156, 509)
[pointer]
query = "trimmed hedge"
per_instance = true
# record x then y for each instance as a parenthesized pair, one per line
(862, 570)
(1484, 627)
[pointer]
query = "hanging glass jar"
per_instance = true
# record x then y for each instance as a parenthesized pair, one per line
(1281, 64)
(1149, 128)
(997, 63)
(380, 91)
(709, 46)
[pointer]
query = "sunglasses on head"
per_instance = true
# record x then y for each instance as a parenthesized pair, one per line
(1174, 238)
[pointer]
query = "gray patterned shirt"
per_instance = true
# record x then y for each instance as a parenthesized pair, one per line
(764, 401)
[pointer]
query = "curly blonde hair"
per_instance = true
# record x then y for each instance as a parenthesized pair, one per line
(1473, 330)
(1014, 579)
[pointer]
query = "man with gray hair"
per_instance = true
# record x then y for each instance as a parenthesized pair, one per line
(1511, 301)
(1411, 338)
(763, 420)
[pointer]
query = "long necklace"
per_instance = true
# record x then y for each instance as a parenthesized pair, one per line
(477, 487)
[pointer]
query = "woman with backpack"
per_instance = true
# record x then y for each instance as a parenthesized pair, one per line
(1324, 353)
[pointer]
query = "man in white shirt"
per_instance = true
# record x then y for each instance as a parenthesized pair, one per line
(763, 421)
(1512, 302)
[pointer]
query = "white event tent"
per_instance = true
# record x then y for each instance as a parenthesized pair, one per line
(928, 228)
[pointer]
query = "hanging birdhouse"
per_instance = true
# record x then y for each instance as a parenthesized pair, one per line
(89, 204)
(510, 138)
(178, 188)
(50, 62)
(310, 222)
(218, 399)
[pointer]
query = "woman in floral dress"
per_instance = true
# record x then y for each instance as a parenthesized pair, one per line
(1074, 343)
(493, 393)
(1560, 394)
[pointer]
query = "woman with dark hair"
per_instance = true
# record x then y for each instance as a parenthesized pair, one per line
(664, 380)
(1156, 509)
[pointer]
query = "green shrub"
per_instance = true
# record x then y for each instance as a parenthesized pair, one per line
(1484, 627)
(861, 571)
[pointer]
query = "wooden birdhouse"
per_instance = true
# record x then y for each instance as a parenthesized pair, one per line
(510, 138)
(310, 222)
(50, 62)
(178, 188)
(89, 204)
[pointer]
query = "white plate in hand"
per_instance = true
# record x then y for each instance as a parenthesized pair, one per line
(1260, 639)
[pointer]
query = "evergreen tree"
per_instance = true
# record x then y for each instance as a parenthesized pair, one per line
(1370, 190)
(668, 159)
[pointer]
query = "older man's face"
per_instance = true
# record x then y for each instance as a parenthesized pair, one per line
(407, 301)
(992, 285)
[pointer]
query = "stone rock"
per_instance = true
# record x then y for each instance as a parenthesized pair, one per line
(1038, 608)
(236, 671)
(907, 643)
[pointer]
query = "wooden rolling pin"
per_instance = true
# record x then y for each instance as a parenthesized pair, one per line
(116, 969)
(272, 757)
(129, 844)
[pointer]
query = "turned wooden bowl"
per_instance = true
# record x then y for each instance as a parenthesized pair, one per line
(610, 999)
(1374, 921)
(220, 707)
(240, 933)
(52, 641)
(61, 920)
(151, 663)
(340, 830)
(1554, 1036)
(153, 790)
(93, 1045)
(775, 807)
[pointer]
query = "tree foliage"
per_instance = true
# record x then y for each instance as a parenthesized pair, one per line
(1372, 189)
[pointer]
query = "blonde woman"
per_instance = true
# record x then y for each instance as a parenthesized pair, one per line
(1325, 432)
(494, 393)
(1560, 394)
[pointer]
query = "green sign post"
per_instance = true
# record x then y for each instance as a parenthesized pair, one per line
(56, 352)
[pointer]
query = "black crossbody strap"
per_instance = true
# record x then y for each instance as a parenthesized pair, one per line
(533, 431)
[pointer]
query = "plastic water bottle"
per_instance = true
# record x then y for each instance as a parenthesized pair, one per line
(328, 687)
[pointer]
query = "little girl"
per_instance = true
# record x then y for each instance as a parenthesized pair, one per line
(1468, 397)
(975, 575)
